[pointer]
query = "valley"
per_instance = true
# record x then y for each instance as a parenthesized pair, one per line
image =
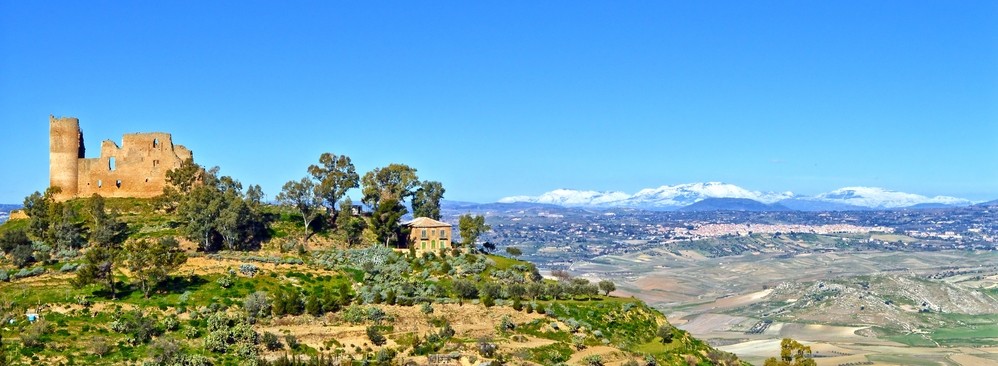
(884, 287)
(889, 308)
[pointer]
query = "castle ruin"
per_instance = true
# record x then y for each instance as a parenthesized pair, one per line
(135, 169)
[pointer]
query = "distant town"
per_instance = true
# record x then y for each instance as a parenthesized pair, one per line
(554, 235)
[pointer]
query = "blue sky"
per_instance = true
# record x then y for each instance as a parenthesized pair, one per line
(503, 98)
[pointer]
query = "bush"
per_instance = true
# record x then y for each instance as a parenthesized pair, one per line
(487, 348)
(171, 323)
(426, 308)
(506, 324)
(166, 351)
(248, 269)
(32, 337)
(292, 342)
(225, 281)
(271, 341)
(375, 336)
(257, 305)
(136, 325)
(593, 360)
(665, 332)
(216, 342)
(99, 346)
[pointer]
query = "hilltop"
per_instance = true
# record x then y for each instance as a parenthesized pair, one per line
(325, 301)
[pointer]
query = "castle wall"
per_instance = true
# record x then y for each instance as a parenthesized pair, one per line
(137, 168)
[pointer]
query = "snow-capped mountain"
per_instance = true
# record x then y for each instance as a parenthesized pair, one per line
(676, 196)
(664, 197)
(570, 197)
(875, 197)
(687, 194)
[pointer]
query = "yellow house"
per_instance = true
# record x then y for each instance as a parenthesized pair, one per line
(426, 234)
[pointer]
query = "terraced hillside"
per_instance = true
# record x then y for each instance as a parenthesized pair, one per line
(325, 303)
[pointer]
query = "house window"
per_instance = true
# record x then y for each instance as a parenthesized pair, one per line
(443, 234)
(99, 183)
(424, 245)
(433, 244)
(110, 164)
(155, 143)
(424, 234)
(117, 183)
(155, 163)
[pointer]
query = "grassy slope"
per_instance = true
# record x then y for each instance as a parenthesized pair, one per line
(77, 317)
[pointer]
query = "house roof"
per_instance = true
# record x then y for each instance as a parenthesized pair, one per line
(426, 222)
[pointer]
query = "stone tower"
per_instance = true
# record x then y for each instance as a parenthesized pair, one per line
(65, 151)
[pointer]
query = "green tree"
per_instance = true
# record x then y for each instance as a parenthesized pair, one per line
(426, 200)
(151, 263)
(199, 210)
(471, 227)
(37, 207)
(216, 213)
(185, 177)
(385, 221)
(792, 353)
(65, 233)
(607, 287)
(16, 243)
(465, 289)
(514, 251)
(351, 226)
(107, 233)
(393, 182)
(303, 197)
(334, 176)
(105, 227)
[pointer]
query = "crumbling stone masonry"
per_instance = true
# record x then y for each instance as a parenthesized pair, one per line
(135, 169)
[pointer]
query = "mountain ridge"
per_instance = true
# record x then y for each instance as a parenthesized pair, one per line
(675, 197)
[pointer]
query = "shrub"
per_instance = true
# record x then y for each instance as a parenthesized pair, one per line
(257, 305)
(426, 308)
(665, 332)
(225, 281)
(136, 325)
(216, 342)
(486, 347)
(166, 351)
(248, 269)
(99, 346)
(593, 360)
(375, 336)
(271, 341)
(292, 342)
(191, 333)
(171, 323)
(32, 337)
(506, 324)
